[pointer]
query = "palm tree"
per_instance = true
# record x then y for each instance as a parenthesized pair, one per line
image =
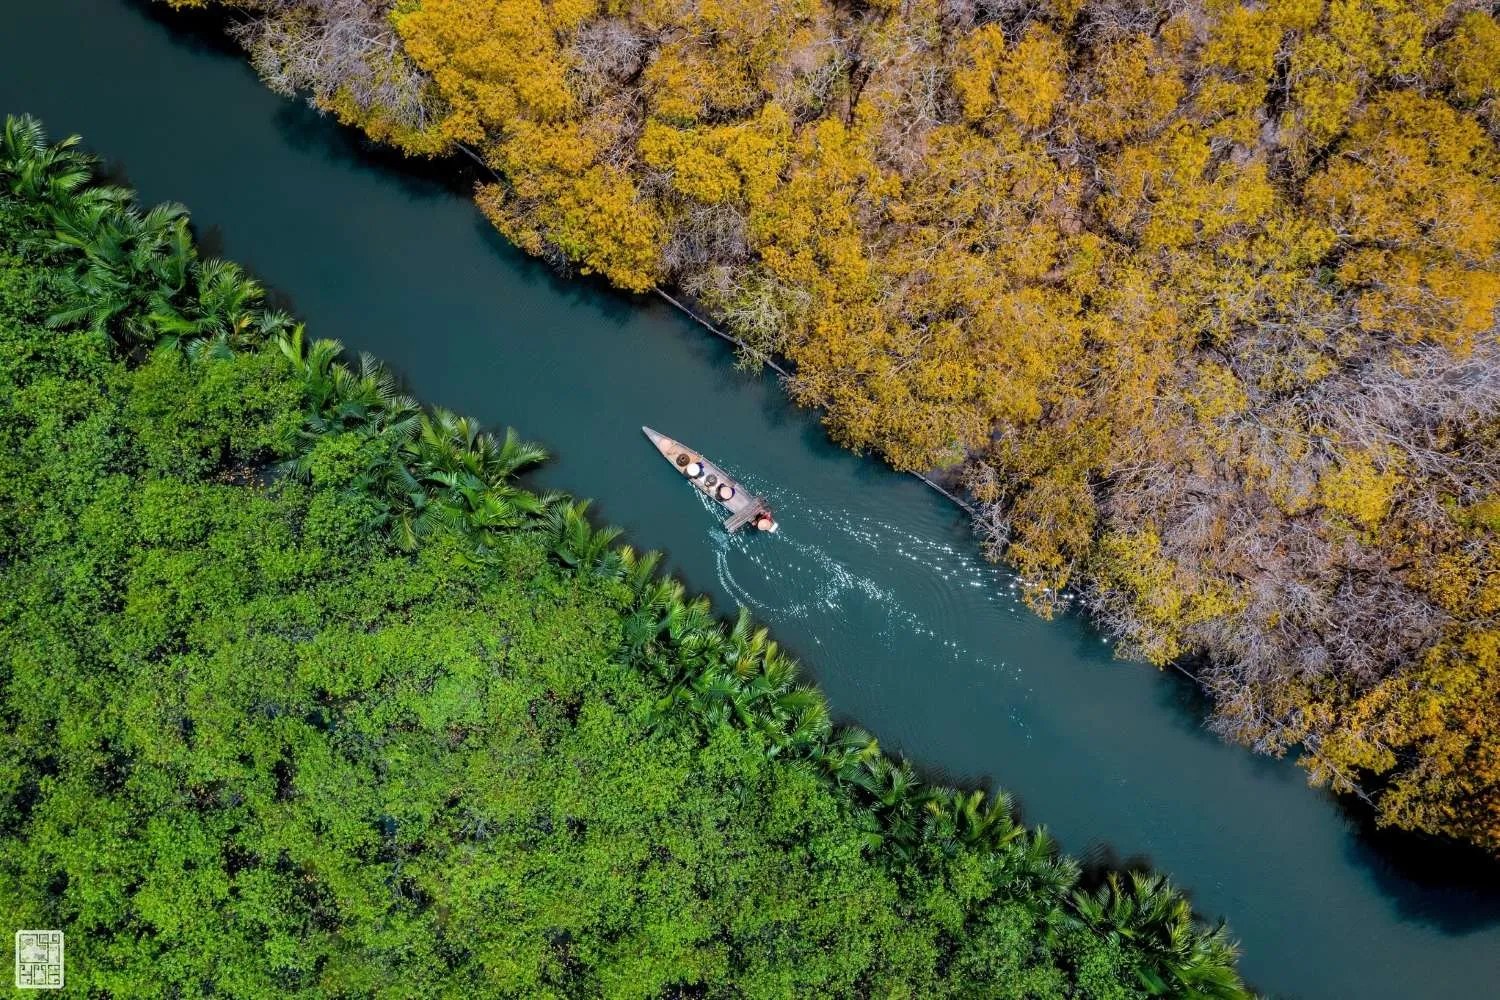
(768, 682)
(450, 443)
(309, 361)
(718, 697)
(987, 822)
(409, 513)
(369, 398)
(129, 264)
(847, 757)
(744, 646)
(637, 569)
(572, 540)
(1155, 923)
(895, 796)
(808, 722)
(339, 398)
(222, 316)
(647, 622)
(478, 513)
(1032, 867)
(35, 170)
(367, 401)
(689, 619)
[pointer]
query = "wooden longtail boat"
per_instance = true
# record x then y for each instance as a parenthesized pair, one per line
(744, 507)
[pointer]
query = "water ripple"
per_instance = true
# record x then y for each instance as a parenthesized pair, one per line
(831, 572)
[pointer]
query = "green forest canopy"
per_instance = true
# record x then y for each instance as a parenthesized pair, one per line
(1196, 297)
(303, 696)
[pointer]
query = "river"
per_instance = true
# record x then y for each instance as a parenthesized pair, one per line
(874, 580)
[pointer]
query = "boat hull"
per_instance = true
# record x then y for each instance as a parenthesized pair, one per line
(744, 507)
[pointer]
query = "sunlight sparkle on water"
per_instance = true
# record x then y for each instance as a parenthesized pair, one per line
(787, 577)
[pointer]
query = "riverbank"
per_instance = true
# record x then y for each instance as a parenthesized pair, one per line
(452, 674)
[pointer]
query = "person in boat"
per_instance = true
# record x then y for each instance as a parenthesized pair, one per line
(725, 493)
(693, 469)
(763, 522)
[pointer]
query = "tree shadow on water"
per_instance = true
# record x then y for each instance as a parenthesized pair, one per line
(209, 240)
(1446, 885)
(304, 127)
(1450, 886)
(202, 30)
(584, 292)
(111, 171)
(420, 179)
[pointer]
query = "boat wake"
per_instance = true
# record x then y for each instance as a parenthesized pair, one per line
(845, 585)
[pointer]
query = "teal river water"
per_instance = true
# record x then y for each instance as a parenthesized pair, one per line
(874, 580)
